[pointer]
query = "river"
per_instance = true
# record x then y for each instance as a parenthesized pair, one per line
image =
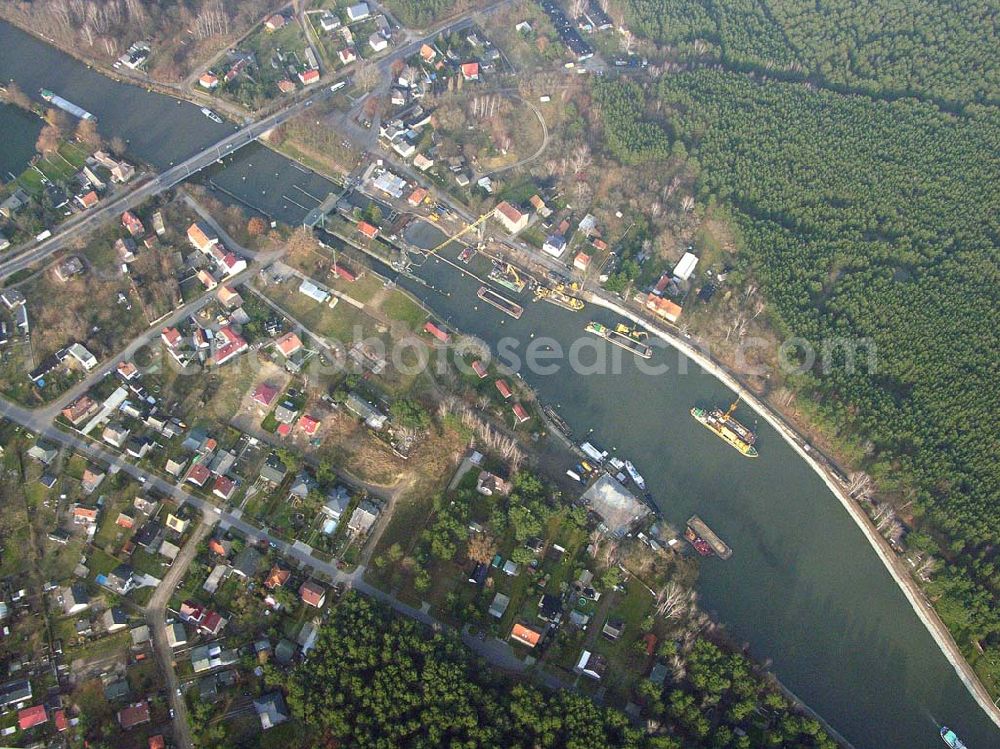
(804, 588)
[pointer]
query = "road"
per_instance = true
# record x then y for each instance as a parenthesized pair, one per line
(156, 618)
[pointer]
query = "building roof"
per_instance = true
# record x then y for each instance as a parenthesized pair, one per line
(312, 593)
(509, 212)
(31, 717)
(264, 394)
(367, 229)
(499, 605)
(470, 70)
(134, 715)
(504, 389)
(615, 504)
(288, 344)
(665, 308)
(525, 635)
(277, 578)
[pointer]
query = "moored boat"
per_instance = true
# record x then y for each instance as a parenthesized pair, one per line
(558, 296)
(501, 303)
(636, 476)
(211, 115)
(66, 106)
(727, 428)
(622, 336)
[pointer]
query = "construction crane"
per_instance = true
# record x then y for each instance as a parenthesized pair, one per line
(461, 233)
(732, 408)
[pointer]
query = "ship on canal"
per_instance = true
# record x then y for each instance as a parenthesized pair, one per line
(501, 303)
(704, 539)
(727, 428)
(627, 338)
(951, 738)
(557, 295)
(211, 115)
(67, 106)
(507, 275)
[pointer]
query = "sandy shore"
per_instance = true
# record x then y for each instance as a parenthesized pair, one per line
(896, 566)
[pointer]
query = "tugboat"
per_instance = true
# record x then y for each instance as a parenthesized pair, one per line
(700, 545)
(211, 115)
(727, 428)
(951, 738)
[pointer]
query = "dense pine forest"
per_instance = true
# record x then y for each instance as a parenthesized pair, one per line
(376, 680)
(929, 48)
(864, 215)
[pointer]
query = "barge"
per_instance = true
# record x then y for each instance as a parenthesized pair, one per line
(697, 527)
(724, 426)
(624, 337)
(558, 296)
(501, 303)
(558, 422)
(66, 106)
(506, 275)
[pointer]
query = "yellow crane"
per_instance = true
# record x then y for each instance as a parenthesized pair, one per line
(461, 233)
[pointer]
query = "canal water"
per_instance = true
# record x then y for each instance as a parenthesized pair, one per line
(803, 588)
(20, 131)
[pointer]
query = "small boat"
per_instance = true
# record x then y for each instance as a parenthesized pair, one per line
(636, 476)
(211, 115)
(951, 738)
(700, 545)
(466, 255)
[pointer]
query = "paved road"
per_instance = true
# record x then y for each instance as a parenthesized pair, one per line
(156, 618)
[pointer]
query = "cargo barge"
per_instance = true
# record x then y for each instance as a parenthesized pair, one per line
(706, 536)
(501, 303)
(558, 297)
(727, 428)
(623, 336)
(67, 106)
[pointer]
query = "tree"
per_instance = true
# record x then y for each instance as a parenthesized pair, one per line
(16, 96)
(256, 226)
(86, 133)
(48, 140)
(118, 146)
(482, 548)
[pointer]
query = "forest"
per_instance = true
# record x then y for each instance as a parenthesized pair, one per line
(420, 14)
(181, 33)
(873, 222)
(381, 680)
(944, 51)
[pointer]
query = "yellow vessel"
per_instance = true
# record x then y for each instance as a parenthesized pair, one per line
(558, 296)
(723, 425)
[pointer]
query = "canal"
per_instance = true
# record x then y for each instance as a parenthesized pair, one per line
(804, 588)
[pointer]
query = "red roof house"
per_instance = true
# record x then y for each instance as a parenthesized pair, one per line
(198, 474)
(504, 389)
(308, 424)
(367, 229)
(288, 344)
(59, 718)
(134, 715)
(309, 76)
(439, 333)
(519, 413)
(312, 593)
(224, 488)
(132, 223)
(479, 369)
(31, 717)
(265, 394)
(470, 71)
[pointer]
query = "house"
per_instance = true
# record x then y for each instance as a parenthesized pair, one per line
(277, 578)
(198, 474)
(171, 337)
(685, 266)
(215, 578)
(247, 562)
(659, 674)
(87, 200)
(132, 224)
(504, 389)
(84, 515)
(122, 172)
(30, 717)
(115, 434)
(308, 424)
(581, 261)
(358, 12)
(480, 369)
(347, 55)
(114, 620)
(285, 413)
(126, 519)
(309, 76)
(75, 599)
(43, 453)
(539, 205)
(176, 635)
(176, 524)
(60, 721)
(16, 691)
(285, 86)
(664, 308)
(417, 196)
(337, 503)
(71, 266)
(224, 488)
(615, 504)
(12, 298)
(80, 409)
(229, 298)
(470, 71)
(314, 292)
(312, 593)
(613, 629)
(229, 345)
(14, 203)
(208, 80)
(511, 218)
(82, 355)
(264, 394)
(91, 480)
(175, 466)
(365, 410)
(329, 21)
(134, 715)
(489, 484)
(363, 517)
(510, 567)
(422, 162)
(275, 22)
(273, 471)
(377, 42)
(591, 664)
(550, 608)
(121, 579)
(525, 635)
(127, 370)
(499, 605)
(288, 344)
(271, 708)
(202, 236)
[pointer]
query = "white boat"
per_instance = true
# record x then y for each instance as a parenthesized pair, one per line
(636, 476)
(211, 115)
(592, 451)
